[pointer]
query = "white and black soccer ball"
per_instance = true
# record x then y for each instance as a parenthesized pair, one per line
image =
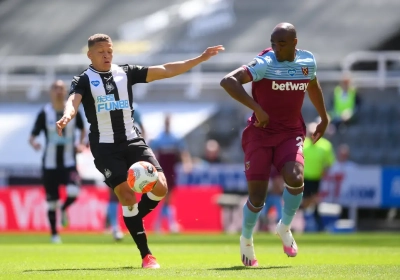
(142, 177)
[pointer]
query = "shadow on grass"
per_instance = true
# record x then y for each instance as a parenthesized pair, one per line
(82, 269)
(240, 267)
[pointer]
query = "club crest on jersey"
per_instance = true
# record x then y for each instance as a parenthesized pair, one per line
(247, 165)
(252, 63)
(109, 87)
(107, 173)
(95, 83)
(304, 70)
(291, 72)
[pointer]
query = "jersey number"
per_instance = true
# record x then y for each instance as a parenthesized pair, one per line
(300, 141)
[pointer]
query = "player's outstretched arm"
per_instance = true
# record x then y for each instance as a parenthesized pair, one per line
(70, 111)
(173, 69)
(233, 85)
(317, 99)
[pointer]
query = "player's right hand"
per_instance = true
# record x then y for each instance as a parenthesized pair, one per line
(62, 123)
(36, 146)
(262, 118)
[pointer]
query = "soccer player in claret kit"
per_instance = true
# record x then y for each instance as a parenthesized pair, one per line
(275, 132)
(105, 90)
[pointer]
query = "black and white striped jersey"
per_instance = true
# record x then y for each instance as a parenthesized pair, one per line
(59, 151)
(107, 101)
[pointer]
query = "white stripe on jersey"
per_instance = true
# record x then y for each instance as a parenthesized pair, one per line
(104, 120)
(50, 158)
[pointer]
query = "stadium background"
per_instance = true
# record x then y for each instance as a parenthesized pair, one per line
(45, 40)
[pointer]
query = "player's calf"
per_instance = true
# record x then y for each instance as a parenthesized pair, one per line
(150, 200)
(72, 193)
(292, 197)
(52, 216)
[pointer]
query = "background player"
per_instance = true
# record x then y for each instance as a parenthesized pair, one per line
(59, 157)
(318, 158)
(169, 150)
(105, 90)
(276, 131)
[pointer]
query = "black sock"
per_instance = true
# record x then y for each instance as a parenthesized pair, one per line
(136, 229)
(146, 205)
(318, 219)
(52, 220)
(68, 202)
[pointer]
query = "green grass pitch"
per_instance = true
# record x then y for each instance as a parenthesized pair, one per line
(206, 256)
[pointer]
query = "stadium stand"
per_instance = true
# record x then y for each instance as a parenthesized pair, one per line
(179, 26)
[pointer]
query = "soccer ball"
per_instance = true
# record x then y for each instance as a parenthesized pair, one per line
(142, 177)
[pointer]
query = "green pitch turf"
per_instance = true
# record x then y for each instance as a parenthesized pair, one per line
(356, 256)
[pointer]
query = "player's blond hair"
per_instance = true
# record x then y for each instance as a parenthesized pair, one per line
(98, 38)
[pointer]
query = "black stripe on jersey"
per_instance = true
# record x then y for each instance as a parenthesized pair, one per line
(60, 148)
(117, 116)
(46, 139)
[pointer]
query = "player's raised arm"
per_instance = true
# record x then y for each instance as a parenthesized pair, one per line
(70, 111)
(233, 85)
(317, 99)
(172, 69)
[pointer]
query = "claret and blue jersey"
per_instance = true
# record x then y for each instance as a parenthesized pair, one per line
(279, 88)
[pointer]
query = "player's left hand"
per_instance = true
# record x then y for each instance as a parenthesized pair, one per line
(211, 51)
(319, 131)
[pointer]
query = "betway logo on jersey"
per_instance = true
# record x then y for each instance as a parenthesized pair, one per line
(107, 103)
(289, 86)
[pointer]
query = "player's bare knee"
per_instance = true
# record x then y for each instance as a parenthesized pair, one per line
(257, 201)
(257, 197)
(295, 181)
(125, 195)
(293, 175)
(128, 199)
(257, 192)
(161, 188)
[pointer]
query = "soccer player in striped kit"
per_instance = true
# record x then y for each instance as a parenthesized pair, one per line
(59, 157)
(105, 90)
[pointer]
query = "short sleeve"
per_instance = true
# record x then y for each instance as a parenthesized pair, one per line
(313, 73)
(257, 67)
(79, 121)
(40, 124)
(137, 74)
(79, 85)
(137, 117)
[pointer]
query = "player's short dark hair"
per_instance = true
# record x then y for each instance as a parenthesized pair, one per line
(98, 38)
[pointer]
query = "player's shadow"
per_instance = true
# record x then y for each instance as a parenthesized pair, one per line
(82, 269)
(240, 267)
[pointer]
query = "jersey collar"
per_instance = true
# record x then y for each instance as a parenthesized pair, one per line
(99, 72)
